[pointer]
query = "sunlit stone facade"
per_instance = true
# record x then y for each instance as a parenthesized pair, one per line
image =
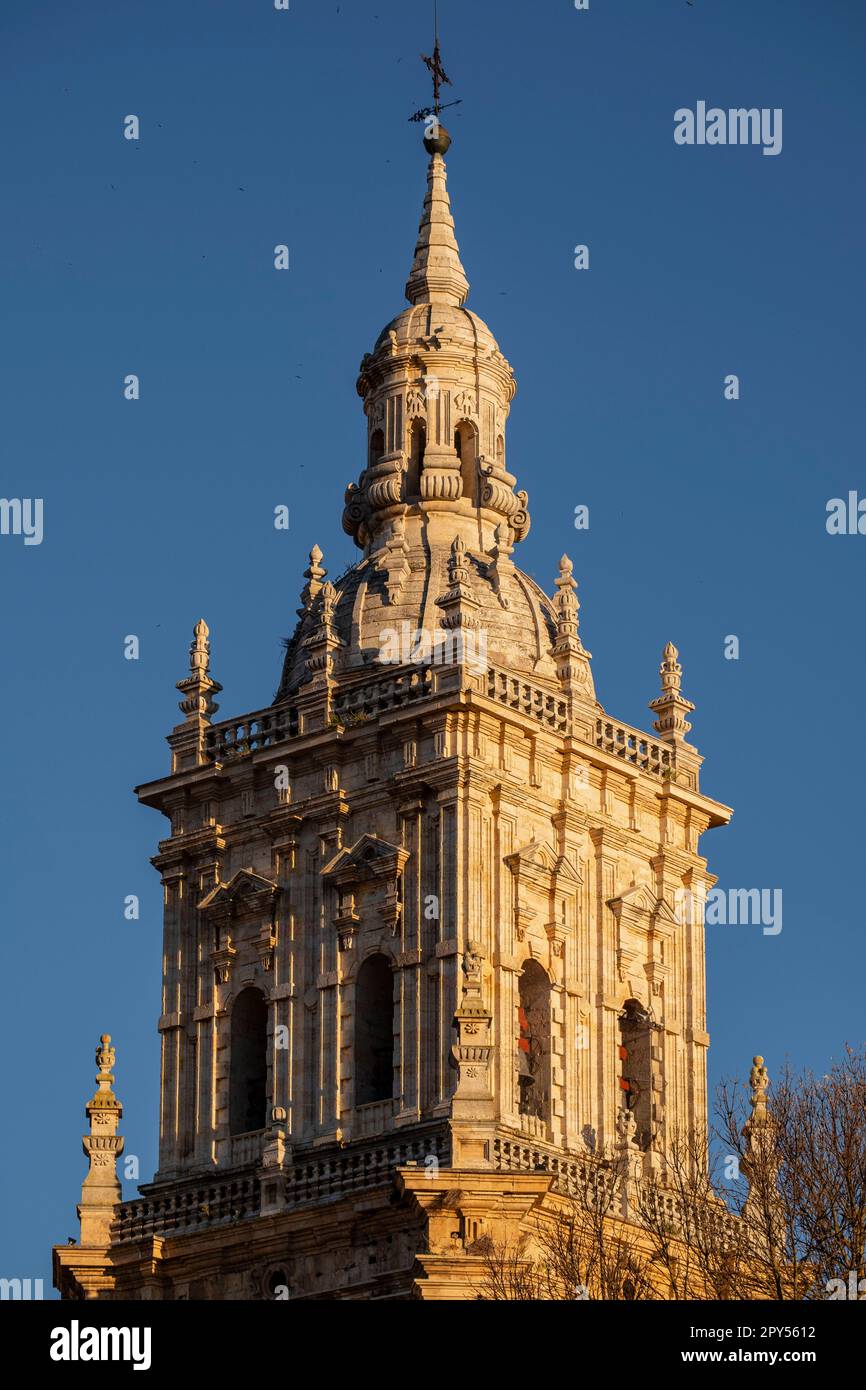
(423, 950)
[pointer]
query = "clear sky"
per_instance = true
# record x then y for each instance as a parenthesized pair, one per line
(707, 516)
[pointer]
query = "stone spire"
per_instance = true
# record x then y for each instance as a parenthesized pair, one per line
(437, 392)
(100, 1191)
(671, 707)
(437, 275)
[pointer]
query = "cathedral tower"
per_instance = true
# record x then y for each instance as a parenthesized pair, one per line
(424, 949)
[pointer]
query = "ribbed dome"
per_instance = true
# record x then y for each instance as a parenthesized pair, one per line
(455, 328)
(368, 625)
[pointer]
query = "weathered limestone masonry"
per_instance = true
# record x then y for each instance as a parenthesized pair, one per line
(421, 947)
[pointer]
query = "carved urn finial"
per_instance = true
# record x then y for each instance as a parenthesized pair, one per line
(105, 1058)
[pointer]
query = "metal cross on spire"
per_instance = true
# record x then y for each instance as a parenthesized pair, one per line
(437, 72)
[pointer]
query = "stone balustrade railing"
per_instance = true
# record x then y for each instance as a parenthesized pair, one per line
(360, 1168)
(392, 691)
(233, 738)
(588, 1178)
(634, 747)
(192, 1204)
(570, 1174)
(528, 699)
(188, 1207)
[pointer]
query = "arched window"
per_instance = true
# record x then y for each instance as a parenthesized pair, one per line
(374, 1031)
(377, 446)
(464, 443)
(417, 445)
(500, 449)
(248, 1068)
(635, 1081)
(533, 1042)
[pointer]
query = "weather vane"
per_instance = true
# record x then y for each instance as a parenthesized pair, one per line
(438, 73)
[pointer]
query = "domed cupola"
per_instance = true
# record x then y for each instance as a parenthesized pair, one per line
(435, 511)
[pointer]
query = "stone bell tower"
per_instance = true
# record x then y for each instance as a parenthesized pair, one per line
(423, 953)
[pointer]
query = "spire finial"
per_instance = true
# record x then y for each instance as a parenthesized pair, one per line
(759, 1082)
(670, 706)
(458, 603)
(440, 79)
(437, 72)
(437, 275)
(323, 641)
(198, 687)
(314, 575)
(567, 606)
(670, 669)
(571, 657)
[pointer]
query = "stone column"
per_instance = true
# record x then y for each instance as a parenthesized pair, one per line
(472, 1106)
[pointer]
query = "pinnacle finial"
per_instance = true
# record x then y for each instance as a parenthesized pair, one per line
(572, 658)
(565, 580)
(671, 707)
(670, 670)
(198, 687)
(199, 651)
(759, 1081)
(566, 602)
(100, 1191)
(458, 603)
(314, 574)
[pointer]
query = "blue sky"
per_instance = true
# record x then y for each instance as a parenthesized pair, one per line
(707, 517)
